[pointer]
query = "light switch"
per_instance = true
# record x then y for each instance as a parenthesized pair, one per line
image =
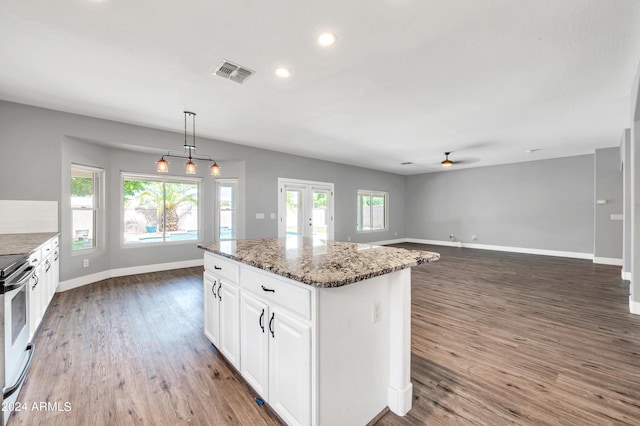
(273, 216)
(259, 215)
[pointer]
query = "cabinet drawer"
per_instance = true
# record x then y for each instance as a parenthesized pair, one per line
(47, 248)
(35, 258)
(222, 267)
(289, 296)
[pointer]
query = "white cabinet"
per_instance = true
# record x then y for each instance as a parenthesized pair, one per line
(229, 300)
(211, 309)
(254, 343)
(221, 311)
(45, 259)
(276, 343)
(263, 327)
(290, 367)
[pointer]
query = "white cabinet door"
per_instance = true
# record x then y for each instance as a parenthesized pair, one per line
(211, 308)
(35, 299)
(289, 367)
(254, 343)
(229, 298)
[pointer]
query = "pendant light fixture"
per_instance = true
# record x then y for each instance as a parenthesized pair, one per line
(162, 165)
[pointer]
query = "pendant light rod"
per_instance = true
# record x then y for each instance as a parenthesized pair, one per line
(162, 166)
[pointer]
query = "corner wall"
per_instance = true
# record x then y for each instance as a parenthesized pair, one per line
(608, 188)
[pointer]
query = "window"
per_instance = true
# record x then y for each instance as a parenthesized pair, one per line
(226, 209)
(86, 206)
(159, 210)
(372, 211)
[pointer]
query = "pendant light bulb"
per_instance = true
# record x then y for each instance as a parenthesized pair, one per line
(191, 167)
(162, 165)
(215, 169)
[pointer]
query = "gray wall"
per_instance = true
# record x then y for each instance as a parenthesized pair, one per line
(625, 154)
(39, 145)
(608, 186)
(546, 204)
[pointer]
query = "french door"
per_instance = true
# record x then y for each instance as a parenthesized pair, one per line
(305, 209)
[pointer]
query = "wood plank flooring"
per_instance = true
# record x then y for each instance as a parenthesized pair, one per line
(497, 339)
(131, 351)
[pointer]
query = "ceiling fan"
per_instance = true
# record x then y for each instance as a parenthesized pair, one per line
(446, 162)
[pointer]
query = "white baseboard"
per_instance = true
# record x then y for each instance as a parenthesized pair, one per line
(625, 275)
(607, 261)
(387, 242)
(634, 307)
(121, 272)
(542, 252)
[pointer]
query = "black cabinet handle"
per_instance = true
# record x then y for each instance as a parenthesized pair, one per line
(213, 289)
(271, 324)
(261, 318)
(217, 267)
(268, 289)
(48, 265)
(220, 293)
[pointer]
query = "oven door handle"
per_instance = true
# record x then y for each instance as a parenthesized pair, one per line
(26, 276)
(10, 390)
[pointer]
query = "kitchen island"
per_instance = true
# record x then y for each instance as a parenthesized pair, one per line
(322, 332)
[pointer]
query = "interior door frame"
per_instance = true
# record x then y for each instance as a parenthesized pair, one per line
(307, 186)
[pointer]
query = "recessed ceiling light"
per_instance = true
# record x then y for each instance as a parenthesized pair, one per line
(283, 72)
(326, 39)
(531, 151)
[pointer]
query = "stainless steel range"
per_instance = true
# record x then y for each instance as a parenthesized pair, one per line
(16, 352)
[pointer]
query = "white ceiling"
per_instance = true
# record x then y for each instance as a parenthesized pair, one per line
(406, 80)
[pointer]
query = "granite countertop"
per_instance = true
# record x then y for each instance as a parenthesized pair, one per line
(333, 264)
(23, 243)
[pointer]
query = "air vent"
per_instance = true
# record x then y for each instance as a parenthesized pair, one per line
(232, 71)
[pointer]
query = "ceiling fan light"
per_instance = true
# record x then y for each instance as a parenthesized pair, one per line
(162, 166)
(447, 163)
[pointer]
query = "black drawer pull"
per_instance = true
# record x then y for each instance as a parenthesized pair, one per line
(268, 289)
(213, 289)
(219, 292)
(217, 267)
(261, 322)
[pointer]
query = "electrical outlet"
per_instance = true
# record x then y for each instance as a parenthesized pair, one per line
(85, 263)
(474, 238)
(375, 312)
(349, 238)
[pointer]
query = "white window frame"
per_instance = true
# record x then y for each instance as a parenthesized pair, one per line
(218, 210)
(371, 193)
(171, 179)
(98, 207)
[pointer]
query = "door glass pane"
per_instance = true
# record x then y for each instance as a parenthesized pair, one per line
(227, 225)
(294, 220)
(227, 205)
(320, 215)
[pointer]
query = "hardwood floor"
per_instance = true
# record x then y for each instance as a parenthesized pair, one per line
(498, 339)
(131, 351)
(513, 339)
